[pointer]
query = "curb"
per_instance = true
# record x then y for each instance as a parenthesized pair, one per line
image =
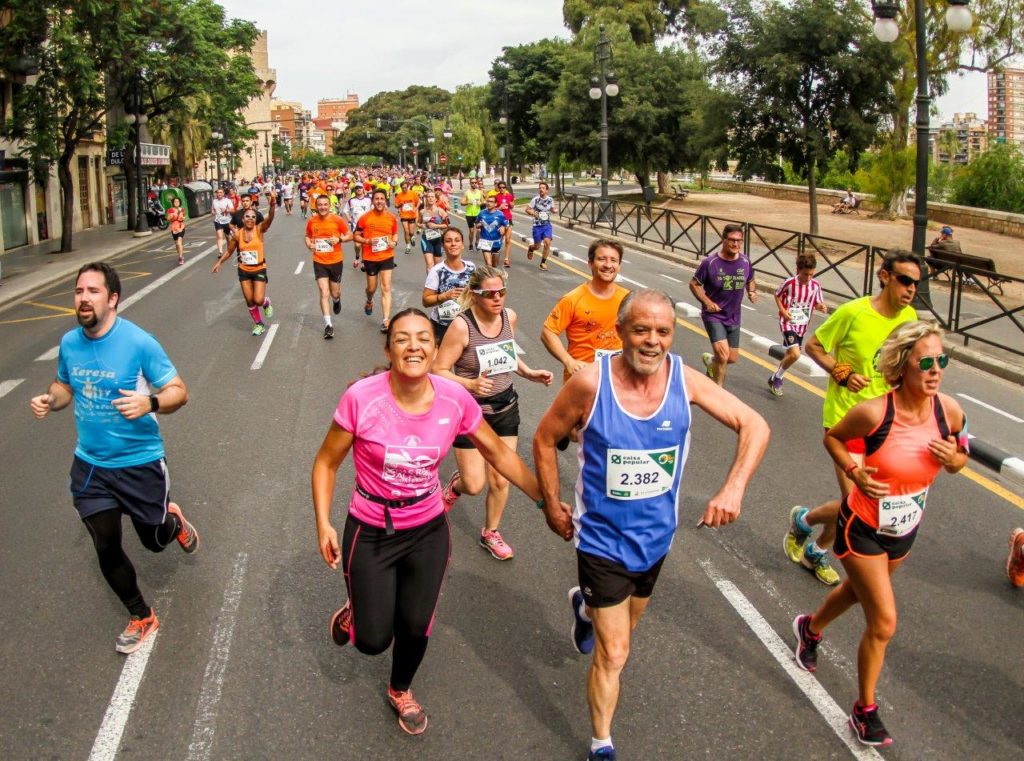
(992, 365)
(995, 458)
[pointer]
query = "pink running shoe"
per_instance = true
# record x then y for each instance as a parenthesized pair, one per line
(494, 544)
(448, 493)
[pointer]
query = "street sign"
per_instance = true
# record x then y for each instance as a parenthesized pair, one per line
(115, 158)
(443, 158)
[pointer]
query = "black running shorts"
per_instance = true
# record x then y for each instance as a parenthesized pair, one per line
(855, 537)
(605, 583)
(332, 272)
(142, 491)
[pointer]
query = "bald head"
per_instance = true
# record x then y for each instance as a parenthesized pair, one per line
(646, 297)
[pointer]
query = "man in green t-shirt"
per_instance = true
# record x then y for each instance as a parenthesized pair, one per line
(846, 346)
(472, 200)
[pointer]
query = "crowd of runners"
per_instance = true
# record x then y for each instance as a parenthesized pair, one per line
(624, 404)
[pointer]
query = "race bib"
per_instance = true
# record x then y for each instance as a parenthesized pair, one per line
(801, 314)
(379, 244)
(598, 353)
(407, 207)
(640, 473)
(448, 310)
(431, 234)
(323, 245)
(497, 358)
(250, 258)
(543, 216)
(899, 516)
(486, 245)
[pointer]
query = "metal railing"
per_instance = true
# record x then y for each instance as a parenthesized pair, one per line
(846, 269)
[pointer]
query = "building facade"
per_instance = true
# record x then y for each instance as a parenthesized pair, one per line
(960, 140)
(1006, 106)
(254, 154)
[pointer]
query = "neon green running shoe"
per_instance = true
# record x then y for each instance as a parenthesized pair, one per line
(795, 539)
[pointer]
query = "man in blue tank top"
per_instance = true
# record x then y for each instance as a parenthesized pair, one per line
(118, 376)
(633, 411)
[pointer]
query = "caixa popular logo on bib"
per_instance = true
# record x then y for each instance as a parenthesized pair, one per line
(640, 473)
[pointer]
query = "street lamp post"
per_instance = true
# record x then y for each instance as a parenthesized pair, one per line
(266, 154)
(603, 86)
(138, 119)
(416, 154)
(447, 134)
(504, 122)
(958, 19)
(402, 158)
(229, 157)
(430, 150)
(216, 137)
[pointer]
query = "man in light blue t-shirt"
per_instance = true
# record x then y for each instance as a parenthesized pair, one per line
(119, 377)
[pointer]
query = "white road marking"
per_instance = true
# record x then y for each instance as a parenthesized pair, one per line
(201, 746)
(980, 403)
(265, 348)
(301, 265)
(834, 716)
(1013, 467)
(624, 261)
(805, 364)
(628, 280)
(8, 386)
(687, 309)
(123, 305)
(669, 277)
(752, 309)
(108, 740)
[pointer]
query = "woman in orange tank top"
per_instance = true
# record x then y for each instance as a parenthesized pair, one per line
(247, 243)
(910, 434)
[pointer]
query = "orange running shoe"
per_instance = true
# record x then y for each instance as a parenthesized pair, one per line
(187, 535)
(1015, 561)
(411, 716)
(135, 633)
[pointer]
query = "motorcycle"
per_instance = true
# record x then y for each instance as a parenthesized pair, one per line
(155, 215)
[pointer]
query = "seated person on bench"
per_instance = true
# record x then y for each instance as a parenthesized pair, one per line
(847, 204)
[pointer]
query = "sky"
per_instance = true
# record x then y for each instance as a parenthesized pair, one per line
(427, 43)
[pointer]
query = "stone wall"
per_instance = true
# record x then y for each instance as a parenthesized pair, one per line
(1001, 222)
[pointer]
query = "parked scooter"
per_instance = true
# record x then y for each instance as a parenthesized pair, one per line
(155, 214)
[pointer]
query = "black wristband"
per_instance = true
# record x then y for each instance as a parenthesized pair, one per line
(154, 403)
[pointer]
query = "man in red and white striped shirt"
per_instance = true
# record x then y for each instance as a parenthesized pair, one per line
(796, 298)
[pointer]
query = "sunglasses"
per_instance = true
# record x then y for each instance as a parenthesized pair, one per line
(927, 363)
(908, 281)
(491, 293)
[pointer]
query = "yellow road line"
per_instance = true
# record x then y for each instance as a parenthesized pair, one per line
(32, 319)
(982, 481)
(62, 310)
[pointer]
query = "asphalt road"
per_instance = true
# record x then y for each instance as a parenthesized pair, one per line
(242, 667)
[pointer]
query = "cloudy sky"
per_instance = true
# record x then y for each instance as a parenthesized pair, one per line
(429, 43)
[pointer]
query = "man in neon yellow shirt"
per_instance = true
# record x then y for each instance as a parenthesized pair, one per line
(472, 200)
(846, 346)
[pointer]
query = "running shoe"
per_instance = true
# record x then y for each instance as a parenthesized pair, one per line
(181, 260)
(328, 332)
(384, 325)
(582, 631)
(187, 535)
(775, 385)
(529, 252)
(494, 544)
(1015, 561)
(817, 561)
(543, 266)
(411, 716)
(706, 358)
(408, 248)
(796, 537)
(368, 308)
(868, 727)
(259, 329)
(806, 650)
(605, 753)
(135, 633)
(337, 306)
(341, 624)
(268, 311)
(448, 493)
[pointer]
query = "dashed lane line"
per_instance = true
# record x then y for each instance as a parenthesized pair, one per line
(8, 386)
(265, 348)
(301, 265)
(669, 277)
(987, 406)
(108, 739)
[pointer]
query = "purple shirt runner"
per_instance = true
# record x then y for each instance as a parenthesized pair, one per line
(724, 282)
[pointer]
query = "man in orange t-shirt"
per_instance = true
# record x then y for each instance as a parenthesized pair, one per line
(408, 204)
(325, 232)
(377, 231)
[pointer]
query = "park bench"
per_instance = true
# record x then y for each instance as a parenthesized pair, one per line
(679, 192)
(947, 254)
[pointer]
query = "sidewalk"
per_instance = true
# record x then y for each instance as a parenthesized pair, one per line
(27, 269)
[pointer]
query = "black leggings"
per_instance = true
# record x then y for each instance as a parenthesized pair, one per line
(394, 583)
(105, 529)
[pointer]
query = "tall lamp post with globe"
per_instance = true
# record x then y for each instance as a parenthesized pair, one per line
(604, 85)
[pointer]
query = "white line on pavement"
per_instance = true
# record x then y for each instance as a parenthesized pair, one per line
(634, 282)
(8, 386)
(301, 265)
(746, 307)
(811, 687)
(1014, 418)
(262, 354)
(122, 305)
(108, 740)
(201, 746)
(669, 277)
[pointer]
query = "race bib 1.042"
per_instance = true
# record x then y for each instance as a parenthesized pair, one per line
(497, 358)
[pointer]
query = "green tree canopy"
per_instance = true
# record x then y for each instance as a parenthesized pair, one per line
(994, 180)
(385, 121)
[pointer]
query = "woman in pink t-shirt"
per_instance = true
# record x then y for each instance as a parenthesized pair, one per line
(399, 425)
(176, 216)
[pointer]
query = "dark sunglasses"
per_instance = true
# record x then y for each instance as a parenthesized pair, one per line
(926, 363)
(908, 281)
(492, 293)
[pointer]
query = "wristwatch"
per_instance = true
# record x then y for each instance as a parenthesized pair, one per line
(154, 403)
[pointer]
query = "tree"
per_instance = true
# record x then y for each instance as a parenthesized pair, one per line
(807, 78)
(91, 56)
(647, 20)
(994, 180)
(379, 126)
(654, 122)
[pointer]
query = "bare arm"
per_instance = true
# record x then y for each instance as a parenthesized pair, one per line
(455, 341)
(553, 344)
(752, 441)
(328, 459)
(697, 289)
(171, 397)
(858, 422)
(505, 460)
(266, 223)
(57, 397)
